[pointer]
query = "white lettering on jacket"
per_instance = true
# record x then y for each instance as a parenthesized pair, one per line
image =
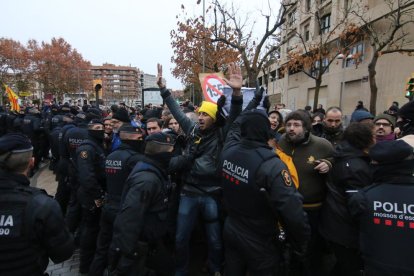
(240, 171)
(393, 207)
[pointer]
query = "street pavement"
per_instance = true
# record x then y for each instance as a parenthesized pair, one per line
(45, 179)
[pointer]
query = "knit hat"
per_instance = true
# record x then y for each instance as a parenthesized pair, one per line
(122, 115)
(407, 111)
(93, 113)
(359, 115)
(255, 125)
(209, 108)
(387, 117)
(390, 151)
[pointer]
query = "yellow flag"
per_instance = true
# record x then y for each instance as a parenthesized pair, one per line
(13, 98)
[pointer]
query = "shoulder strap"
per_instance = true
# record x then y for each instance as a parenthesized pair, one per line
(93, 144)
(144, 166)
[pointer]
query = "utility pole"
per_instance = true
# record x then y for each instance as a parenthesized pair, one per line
(204, 40)
(97, 88)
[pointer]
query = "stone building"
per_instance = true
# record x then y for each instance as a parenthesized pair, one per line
(345, 81)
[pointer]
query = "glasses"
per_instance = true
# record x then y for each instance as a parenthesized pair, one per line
(383, 124)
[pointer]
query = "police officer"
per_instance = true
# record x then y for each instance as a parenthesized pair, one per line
(90, 164)
(141, 222)
(405, 120)
(32, 229)
(63, 190)
(72, 138)
(385, 210)
(33, 128)
(118, 166)
(3, 122)
(258, 193)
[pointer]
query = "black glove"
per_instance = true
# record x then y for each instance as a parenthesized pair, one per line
(164, 92)
(220, 115)
(258, 94)
(266, 103)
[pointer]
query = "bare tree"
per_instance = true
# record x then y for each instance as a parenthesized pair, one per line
(390, 33)
(314, 55)
(236, 32)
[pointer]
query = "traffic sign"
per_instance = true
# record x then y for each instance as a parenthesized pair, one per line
(25, 94)
(212, 85)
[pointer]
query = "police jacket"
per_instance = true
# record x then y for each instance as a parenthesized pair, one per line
(350, 171)
(386, 214)
(144, 207)
(54, 141)
(70, 139)
(32, 228)
(118, 166)
(32, 125)
(90, 164)
(3, 123)
(258, 191)
(199, 162)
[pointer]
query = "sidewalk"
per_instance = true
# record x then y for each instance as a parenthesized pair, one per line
(45, 179)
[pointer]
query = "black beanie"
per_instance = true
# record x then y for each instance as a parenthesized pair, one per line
(255, 126)
(122, 115)
(390, 151)
(93, 113)
(407, 111)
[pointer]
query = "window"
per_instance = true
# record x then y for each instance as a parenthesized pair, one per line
(273, 75)
(290, 44)
(308, 4)
(280, 73)
(292, 18)
(356, 55)
(347, 4)
(315, 67)
(306, 35)
(325, 23)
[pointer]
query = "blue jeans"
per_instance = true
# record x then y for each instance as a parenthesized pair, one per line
(189, 209)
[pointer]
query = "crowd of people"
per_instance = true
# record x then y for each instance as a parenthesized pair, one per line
(274, 191)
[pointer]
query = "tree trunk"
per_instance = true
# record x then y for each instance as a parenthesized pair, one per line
(318, 83)
(373, 83)
(252, 77)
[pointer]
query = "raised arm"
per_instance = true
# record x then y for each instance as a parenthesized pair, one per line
(186, 124)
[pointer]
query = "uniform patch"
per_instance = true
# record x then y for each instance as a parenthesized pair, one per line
(286, 178)
(83, 154)
(311, 160)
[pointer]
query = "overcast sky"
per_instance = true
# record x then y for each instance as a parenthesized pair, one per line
(121, 32)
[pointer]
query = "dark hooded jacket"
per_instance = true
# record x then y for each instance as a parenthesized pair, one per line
(351, 171)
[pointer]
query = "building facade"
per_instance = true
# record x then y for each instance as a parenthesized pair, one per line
(345, 81)
(148, 80)
(119, 83)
